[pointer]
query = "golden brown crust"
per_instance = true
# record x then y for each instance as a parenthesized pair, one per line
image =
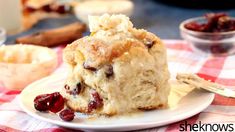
(97, 52)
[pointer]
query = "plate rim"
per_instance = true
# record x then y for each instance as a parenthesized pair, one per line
(79, 125)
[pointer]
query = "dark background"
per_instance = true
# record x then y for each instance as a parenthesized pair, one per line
(159, 17)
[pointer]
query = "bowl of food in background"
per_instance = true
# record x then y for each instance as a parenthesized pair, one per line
(213, 33)
(99, 7)
(21, 64)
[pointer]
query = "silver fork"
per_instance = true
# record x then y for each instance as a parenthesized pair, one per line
(197, 82)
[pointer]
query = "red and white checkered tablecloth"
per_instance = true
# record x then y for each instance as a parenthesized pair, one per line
(180, 59)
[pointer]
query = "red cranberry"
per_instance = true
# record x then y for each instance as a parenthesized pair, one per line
(219, 49)
(97, 99)
(57, 102)
(75, 91)
(194, 26)
(41, 106)
(41, 102)
(53, 102)
(216, 22)
(109, 71)
(225, 24)
(67, 115)
(214, 16)
(91, 106)
(212, 21)
(46, 8)
(96, 103)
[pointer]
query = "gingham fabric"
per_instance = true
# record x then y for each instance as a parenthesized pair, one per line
(181, 58)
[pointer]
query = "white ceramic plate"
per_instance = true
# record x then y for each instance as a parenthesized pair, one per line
(184, 103)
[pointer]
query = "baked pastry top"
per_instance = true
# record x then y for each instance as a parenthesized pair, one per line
(117, 69)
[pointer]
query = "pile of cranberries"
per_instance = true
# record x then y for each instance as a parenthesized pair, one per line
(53, 102)
(216, 22)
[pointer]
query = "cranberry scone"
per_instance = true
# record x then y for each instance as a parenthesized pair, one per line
(117, 69)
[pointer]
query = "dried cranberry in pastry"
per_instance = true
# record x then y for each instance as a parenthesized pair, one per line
(76, 90)
(91, 106)
(88, 67)
(109, 71)
(66, 87)
(149, 43)
(97, 99)
(46, 8)
(96, 103)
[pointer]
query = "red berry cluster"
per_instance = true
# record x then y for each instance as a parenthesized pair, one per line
(216, 22)
(53, 102)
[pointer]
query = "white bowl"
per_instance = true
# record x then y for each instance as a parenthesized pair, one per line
(100, 7)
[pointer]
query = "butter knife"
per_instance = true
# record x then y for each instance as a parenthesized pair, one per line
(197, 82)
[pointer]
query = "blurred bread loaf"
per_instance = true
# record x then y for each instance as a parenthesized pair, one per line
(35, 10)
(54, 37)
